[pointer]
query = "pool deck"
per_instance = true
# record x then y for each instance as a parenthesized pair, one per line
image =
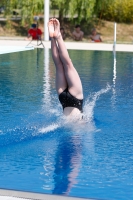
(8, 41)
(20, 195)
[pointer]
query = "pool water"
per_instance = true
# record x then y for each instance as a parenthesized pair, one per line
(41, 152)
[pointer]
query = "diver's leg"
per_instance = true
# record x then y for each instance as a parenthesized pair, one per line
(61, 83)
(72, 77)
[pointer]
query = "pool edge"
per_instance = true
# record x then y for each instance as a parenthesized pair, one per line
(73, 45)
(37, 196)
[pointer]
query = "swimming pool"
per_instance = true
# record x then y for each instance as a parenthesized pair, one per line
(39, 152)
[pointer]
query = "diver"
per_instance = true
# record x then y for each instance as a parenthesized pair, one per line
(68, 83)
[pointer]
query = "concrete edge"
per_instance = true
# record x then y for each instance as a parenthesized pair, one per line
(73, 45)
(37, 196)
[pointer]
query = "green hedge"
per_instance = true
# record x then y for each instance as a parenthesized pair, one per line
(115, 10)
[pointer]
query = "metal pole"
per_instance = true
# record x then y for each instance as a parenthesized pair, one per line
(115, 33)
(114, 46)
(46, 19)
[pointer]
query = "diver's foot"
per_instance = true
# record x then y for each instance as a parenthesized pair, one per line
(51, 28)
(57, 33)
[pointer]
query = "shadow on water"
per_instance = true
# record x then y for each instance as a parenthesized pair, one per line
(67, 163)
(39, 51)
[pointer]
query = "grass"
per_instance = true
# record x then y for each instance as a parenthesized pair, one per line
(105, 28)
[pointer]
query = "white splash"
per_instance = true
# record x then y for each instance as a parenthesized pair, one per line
(86, 124)
(90, 104)
(49, 128)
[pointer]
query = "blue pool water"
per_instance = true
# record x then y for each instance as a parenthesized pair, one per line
(41, 152)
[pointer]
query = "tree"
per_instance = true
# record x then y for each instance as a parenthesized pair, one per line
(115, 10)
(63, 6)
(26, 9)
(82, 9)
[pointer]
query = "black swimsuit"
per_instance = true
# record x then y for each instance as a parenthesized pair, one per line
(68, 100)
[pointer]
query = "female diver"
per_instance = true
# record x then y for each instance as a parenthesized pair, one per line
(68, 83)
